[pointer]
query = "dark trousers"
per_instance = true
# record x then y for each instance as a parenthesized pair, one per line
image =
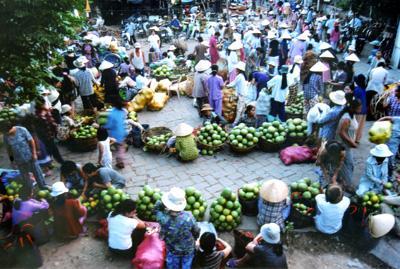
(89, 102)
(200, 101)
(278, 109)
(52, 149)
(137, 238)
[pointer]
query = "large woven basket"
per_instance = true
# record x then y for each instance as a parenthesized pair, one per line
(241, 150)
(83, 144)
(293, 116)
(266, 146)
(208, 147)
(156, 131)
(296, 140)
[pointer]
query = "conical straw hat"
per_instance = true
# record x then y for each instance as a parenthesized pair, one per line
(274, 191)
(381, 224)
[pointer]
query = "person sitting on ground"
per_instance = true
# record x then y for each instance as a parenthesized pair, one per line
(265, 251)
(273, 204)
(103, 145)
(69, 215)
(376, 170)
(25, 206)
(330, 159)
(125, 229)
(73, 177)
(210, 116)
(179, 229)
(249, 117)
(331, 207)
(207, 257)
(66, 117)
(103, 177)
(185, 143)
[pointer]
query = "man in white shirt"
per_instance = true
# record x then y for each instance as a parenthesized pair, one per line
(331, 207)
(154, 41)
(377, 78)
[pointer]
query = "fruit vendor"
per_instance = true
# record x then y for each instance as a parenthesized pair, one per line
(274, 204)
(330, 207)
(376, 170)
(210, 116)
(73, 176)
(265, 251)
(249, 117)
(185, 144)
(394, 141)
(207, 255)
(330, 159)
(179, 229)
(103, 177)
(67, 123)
(125, 229)
(240, 86)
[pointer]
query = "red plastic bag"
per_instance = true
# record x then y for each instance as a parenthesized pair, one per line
(297, 154)
(151, 253)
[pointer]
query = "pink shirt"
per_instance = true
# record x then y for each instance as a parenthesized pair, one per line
(326, 76)
(335, 36)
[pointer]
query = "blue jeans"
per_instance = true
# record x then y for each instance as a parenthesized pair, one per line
(179, 262)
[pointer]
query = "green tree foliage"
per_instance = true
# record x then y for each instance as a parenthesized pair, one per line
(30, 33)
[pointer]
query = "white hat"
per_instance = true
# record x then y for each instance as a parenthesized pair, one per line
(319, 67)
(105, 65)
(352, 58)
(80, 62)
(381, 150)
(137, 45)
(324, 46)
(302, 37)
(175, 199)
(352, 47)
(286, 35)
(237, 45)
(317, 111)
(283, 25)
(265, 23)
(202, 65)
(154, 28)
(298, 59)
(272, 63)
(271, 233)
(58, 188)
(381, 224)
(241, 66)
(65, 108)
(256, 32)
(338, 97)
(274, 191)
(183, 129)
(271, 35)
(327, 54)
(171, 48)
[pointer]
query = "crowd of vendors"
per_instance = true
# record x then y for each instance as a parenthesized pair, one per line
(290, 53)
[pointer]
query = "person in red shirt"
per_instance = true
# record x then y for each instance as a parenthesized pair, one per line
(69, 214)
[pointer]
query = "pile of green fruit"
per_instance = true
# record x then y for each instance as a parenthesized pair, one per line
(158, 140)
(102, 117)
(297, 128)
(195, 203)
(212, 135)
(110, 198)
(305, 189)
(273, 132)
(162, 71)
(91, 204)
(303, 209)
(74, 193)
(225, 211)
(43, 194)
(13, 189)
(243, 137)
(147, 198)
(297, 106)
(7, 114)
(84, 132)
(133, 116)
(371, 201)
(249, 191)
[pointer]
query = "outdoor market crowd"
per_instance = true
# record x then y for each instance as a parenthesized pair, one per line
(291, 51)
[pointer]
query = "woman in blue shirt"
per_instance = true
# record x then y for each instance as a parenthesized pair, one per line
(360, 93)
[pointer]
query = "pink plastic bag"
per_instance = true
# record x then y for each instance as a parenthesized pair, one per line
(297, 154)
(151, 253)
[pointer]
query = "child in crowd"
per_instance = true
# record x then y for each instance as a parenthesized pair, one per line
(103, 145)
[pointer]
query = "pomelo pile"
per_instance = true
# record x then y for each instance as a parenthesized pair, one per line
(225, 211)
(43, 194)
(243, 137)
(110, 198)
(195, 203)
(147, 198)
(212, 135)
(296, 128)
(371, 201)
(162, 71)
(73, 193)
(249, 191)
(304, 189)
(91, 204)
(273, 132)
(303, 209)
(297, 106)
(86, 131)
(7, 114)
(158, 140)
(13, 189)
